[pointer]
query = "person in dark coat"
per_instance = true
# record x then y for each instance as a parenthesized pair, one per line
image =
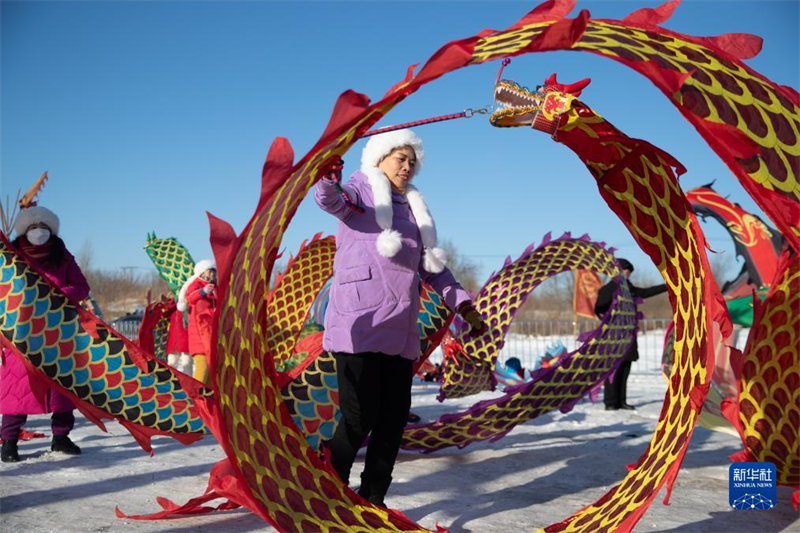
(616, 390)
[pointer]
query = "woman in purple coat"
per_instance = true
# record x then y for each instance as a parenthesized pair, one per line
(386, 242)
(38, 242)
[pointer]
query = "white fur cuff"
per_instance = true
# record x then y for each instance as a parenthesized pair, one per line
(389, 243)
(434, 260)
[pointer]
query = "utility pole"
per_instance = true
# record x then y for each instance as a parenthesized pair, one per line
(128, 271)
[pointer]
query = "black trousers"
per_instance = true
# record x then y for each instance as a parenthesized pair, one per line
(374, 398)
(615, 393)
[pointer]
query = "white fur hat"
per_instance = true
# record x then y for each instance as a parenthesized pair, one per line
(202, 266)
(34, 215)
(389, 241)
(379, 146)
(199, 268)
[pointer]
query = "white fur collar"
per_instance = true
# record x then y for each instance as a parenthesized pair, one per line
(389, 241)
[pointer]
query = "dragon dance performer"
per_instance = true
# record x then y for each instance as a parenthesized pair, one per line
(386, 242)
(615, 391)
(199, 295)
(38, 242)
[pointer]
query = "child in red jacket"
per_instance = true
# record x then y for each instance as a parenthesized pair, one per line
(200, 296)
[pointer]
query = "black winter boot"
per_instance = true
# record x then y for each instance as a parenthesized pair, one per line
(375, 490)
(63, 444)
(374, 499)
(10, 453)
(365, 489)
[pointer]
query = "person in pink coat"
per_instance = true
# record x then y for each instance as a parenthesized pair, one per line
(38, 242)
(199, 296)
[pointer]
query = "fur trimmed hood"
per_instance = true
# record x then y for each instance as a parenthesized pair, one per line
(34, 215)
(199, 268)
(389, 241)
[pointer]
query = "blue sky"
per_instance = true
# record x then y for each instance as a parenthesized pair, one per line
(148, 114)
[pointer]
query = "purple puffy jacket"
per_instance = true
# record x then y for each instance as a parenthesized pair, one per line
(374, 300)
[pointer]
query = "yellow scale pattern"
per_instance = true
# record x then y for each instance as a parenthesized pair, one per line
(647, 197)
(499, 300)
(769, 397)
(569, 381)
(294, 293)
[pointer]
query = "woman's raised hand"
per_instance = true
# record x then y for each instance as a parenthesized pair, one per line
(334, 171)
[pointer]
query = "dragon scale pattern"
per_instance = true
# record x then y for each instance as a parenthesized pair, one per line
(40, 324)
(769, 395)
(559, 387)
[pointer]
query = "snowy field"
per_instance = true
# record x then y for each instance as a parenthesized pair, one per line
(537, 475)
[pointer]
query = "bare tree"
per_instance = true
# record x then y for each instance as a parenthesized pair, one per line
(657, 306)
(552, 299)
(118, 291)
(85, 256)
(721, 265)
(464, 269)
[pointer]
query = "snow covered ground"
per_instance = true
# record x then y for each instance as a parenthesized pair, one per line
(537, 475)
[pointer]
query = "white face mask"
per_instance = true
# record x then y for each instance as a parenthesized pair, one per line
(38, 236)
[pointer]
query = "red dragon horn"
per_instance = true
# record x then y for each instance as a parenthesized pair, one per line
(571, 88)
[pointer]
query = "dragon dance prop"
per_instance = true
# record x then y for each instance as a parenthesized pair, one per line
(758, 244)
(290, 301)
(760, 247)
(154, 329)
(172, 260)
(558, 387)
(175, 266)
(8, 215)
(24, 435)
(766, 413)
(470, 368)
(271, 468)
(29, 199)
(104, 374)
(637, 181)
